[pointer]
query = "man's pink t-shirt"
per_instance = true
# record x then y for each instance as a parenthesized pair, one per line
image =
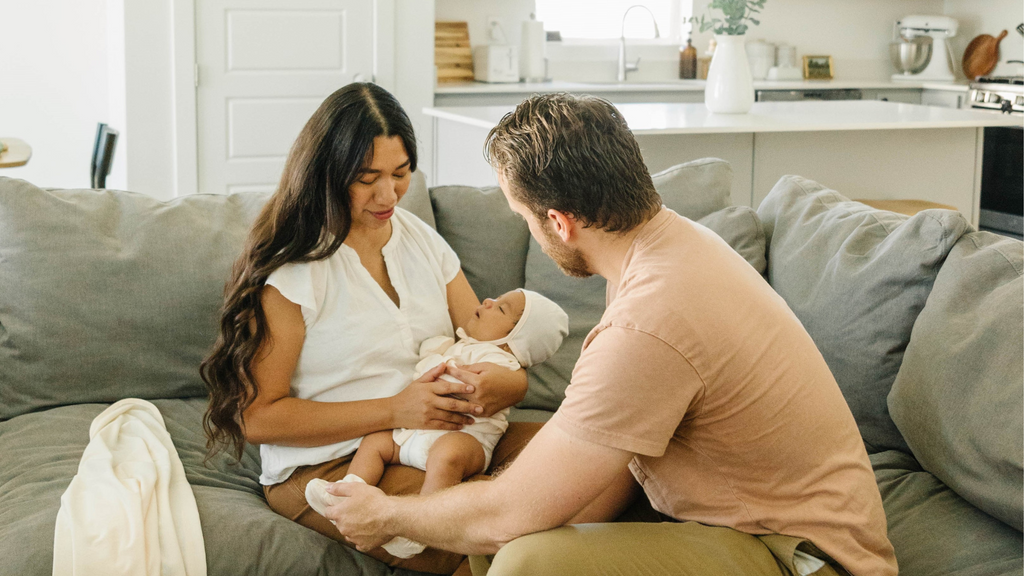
(702, 370)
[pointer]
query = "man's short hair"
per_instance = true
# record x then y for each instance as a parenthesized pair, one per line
(574, 154)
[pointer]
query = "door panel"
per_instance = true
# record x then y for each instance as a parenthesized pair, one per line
(264, 67)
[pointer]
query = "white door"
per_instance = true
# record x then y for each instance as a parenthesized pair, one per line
(264, 66)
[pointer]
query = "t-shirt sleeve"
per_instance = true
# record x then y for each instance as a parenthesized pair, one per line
(630, 390)
(302, 283)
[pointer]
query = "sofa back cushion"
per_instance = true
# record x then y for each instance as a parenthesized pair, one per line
(856, 278)
(958, 398)
(934, 531)
(489, 238)
(695, 190)
(106, 294)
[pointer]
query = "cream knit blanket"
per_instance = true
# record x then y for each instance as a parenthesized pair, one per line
(129, 510)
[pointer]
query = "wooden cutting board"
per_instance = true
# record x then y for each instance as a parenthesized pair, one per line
(452, 54)
(981, 55)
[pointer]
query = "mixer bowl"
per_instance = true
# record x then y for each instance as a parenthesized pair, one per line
(911, 55)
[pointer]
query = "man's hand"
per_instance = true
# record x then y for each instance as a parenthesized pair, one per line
(362, 518)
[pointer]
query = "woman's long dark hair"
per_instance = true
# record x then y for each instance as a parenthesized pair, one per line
(306, 219)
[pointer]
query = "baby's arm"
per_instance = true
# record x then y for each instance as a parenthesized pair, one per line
(435, 346)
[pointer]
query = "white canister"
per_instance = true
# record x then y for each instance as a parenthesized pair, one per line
(786, 57)
(729, 88)
(762, 57)
(531, 53)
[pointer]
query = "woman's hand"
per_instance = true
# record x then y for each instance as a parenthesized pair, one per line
(496, 387)
(426, 404)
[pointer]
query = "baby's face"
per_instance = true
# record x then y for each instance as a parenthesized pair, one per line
(495, 318)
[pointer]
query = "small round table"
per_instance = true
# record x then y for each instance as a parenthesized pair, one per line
(17, 153)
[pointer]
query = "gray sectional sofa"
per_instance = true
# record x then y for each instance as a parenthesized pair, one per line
(106, 295)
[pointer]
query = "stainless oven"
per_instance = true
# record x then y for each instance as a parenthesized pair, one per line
(1002, 172)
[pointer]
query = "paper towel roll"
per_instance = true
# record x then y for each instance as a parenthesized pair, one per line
(531, 53)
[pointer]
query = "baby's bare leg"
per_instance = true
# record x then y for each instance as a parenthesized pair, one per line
(454, 457)
(375, 451)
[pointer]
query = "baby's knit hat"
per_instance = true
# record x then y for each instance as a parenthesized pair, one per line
(539, 331)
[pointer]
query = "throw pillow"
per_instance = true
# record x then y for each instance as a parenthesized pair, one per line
(857, 278)
(958, 398)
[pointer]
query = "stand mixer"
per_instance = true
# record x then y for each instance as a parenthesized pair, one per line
(920, 48)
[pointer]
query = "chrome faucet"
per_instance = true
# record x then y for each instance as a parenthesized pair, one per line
(624, 66)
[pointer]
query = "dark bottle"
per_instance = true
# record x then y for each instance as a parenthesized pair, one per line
(688, 60)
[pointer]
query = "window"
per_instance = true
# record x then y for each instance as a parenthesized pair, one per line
(602, 19)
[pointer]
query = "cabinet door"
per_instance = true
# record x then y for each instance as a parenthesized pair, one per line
(909, 96)
(943, 98)
(264, 66)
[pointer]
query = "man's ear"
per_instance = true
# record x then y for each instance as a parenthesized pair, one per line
(563, 224)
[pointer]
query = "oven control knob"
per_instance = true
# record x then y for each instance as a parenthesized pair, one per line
(1019, 101)
(1006, 107)
(994, 98)
(979, 96)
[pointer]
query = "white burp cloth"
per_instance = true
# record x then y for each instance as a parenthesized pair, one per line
(320, 499)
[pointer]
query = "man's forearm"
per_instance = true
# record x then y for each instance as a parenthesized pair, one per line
(469, 518)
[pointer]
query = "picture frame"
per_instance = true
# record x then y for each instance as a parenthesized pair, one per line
(818, 68)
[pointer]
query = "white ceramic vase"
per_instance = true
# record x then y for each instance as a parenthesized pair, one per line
(729, 88)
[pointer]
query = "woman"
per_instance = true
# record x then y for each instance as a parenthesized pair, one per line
(333, 293)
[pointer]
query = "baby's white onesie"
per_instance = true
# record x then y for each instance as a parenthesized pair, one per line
(415, 444)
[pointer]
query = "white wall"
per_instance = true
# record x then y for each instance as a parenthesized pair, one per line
(149, 94)
(856, 33)
(414, 70)
(56, 84)
(511, 14)
(989, 17)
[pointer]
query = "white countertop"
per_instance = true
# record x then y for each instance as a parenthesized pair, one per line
(685, 86)
(801, 116)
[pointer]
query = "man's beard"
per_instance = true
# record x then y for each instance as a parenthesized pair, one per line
(569, 260)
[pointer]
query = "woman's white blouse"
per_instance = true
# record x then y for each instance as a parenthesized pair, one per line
(359, 345)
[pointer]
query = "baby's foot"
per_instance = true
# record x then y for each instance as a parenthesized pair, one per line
(401, 547)
(319, 498)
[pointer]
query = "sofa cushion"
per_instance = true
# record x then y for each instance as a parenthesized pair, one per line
(958, 398)
(857, 278)
(417, 199)
(694, 190)
(697, 188)
(243, 536)
(740, 227)
(583, 300)
(934, 531)
(489, 238)
(106, 294)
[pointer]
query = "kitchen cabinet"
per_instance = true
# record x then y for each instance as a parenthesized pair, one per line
(906, 95)
(864, 149)
(944, 98)
(674, 91)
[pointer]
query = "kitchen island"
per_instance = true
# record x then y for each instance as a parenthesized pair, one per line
(863, 149)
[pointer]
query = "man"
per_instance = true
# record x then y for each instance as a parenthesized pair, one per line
(698, 385)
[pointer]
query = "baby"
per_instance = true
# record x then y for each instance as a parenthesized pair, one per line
(519, 329)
